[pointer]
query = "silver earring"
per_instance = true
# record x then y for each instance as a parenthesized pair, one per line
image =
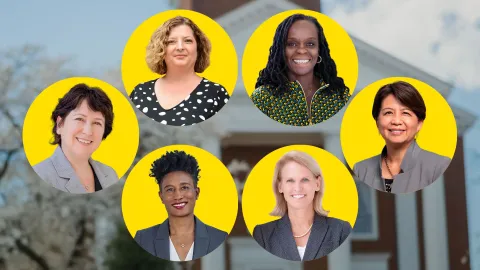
(319, 59)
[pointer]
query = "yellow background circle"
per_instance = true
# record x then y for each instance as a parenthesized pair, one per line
(118, 150)
(341, 197)
(217, 204)
(342, 49)
(359, 135)
(223, 67)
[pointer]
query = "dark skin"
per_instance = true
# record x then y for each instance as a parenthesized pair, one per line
(179, 194)
(301, 53)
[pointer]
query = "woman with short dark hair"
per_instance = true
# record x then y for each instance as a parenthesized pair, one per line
(403, 166)
(182, 236)
(82, 119)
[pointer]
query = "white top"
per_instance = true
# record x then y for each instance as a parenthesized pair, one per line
(174, 255)
(301, 251)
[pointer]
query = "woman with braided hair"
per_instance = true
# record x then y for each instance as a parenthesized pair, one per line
(299, 86)
(182, 236)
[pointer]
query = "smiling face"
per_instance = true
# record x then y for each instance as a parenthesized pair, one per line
(298, 185)
(178, 194)
(397, 123)
(181, 50)
(81, 131)
(301, 49)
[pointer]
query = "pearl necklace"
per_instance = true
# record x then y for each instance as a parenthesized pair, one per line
(300, 236)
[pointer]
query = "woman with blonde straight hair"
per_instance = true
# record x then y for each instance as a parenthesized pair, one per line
(304, 231)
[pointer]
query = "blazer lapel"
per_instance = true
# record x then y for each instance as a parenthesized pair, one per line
(287, 242)
(102, 177)
(65, 170)
(162, 241)
(202, 240)
(315, 240)
(402, 180)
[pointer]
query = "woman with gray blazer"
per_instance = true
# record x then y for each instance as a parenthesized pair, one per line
(402, 166)
(304, 232)
(82, 119)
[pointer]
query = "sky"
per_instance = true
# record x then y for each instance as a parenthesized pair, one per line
(441, 37)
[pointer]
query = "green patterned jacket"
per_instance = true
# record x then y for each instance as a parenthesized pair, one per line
(291, 108)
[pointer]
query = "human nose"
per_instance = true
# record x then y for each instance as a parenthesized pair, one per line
(178, 194)
(87, 129)
(180, 45)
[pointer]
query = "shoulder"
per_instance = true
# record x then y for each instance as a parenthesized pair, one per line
(263, 91)
(365, 164)
(430, 157)
(338, 229)
(215, 233)
(147, 232)
(148, 85)
(266, 228)
(46, 170)
(338, 224)
(108, 171)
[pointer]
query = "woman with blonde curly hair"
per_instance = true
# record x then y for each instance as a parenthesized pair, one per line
(304, 232)
(177, 51)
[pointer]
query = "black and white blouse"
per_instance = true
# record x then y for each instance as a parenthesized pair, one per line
(204, 102)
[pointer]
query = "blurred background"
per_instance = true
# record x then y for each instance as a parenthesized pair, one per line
(436, 41)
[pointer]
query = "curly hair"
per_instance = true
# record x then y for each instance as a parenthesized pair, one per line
(173, 162)
(275, 73)
(156, 48)
(97, 101)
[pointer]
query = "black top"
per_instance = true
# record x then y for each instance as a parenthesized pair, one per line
(204, 102)
(388, 185)
(98, 186)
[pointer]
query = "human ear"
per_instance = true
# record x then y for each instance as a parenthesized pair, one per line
(59, 124)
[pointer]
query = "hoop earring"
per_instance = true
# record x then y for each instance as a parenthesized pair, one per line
(319, 59)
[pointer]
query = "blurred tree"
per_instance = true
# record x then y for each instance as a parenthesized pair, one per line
(124, 253)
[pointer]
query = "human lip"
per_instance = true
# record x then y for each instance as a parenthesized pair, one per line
(84, 141)
(179, 205)
(298, 196)
(181, 55)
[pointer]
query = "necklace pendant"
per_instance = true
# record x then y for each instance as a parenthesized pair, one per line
(182, 245)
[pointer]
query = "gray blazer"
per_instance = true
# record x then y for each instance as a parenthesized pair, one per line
(156, 239)
(419, 169)
(58, 172)
(277, 238)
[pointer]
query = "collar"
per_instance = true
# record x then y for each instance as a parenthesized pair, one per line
(65, 170)
(409, 160)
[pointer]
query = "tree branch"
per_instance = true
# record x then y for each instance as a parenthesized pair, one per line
(32, 255)
(6, 163)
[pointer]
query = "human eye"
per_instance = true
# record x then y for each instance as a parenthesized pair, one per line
(290, 181)
(169, 190)
(98, 123)
(185, 187)
(407, 113)
(79, 119)
(188, 40)
(305, 180)
(311, 44)
(387, 112)
(170, 41)
(291, 44)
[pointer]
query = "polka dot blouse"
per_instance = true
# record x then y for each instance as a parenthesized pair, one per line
(204, 102)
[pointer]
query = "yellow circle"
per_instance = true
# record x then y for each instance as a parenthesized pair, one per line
(118, 150)
(359, 135)
(223, 67)
(340, 198)
(217, 204)
(342, 49)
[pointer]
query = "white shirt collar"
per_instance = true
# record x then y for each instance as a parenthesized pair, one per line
(174, 255)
